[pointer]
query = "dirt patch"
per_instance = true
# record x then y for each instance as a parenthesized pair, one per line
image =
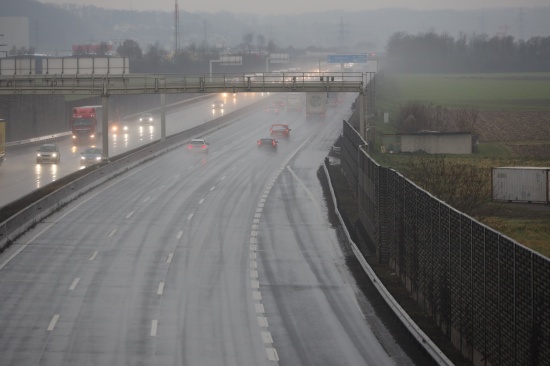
(513, 126)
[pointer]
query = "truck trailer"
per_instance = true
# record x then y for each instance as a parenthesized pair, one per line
(316, 104)
(294, 102)
(86, 124)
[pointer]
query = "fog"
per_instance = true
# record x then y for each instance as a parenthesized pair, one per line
(301, 6)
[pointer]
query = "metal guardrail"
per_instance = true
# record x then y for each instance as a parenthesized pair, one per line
(105, 85)
(421, 338)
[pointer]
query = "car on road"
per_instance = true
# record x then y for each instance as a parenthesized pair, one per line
(218, 104)
(280, 104)
(279, 129)
(272, 109)
(48, 153)
(118, 127)
(146, 118)
(198, 145)
(267, 143)
(91, 156)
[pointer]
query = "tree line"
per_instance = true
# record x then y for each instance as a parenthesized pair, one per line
(432, 52)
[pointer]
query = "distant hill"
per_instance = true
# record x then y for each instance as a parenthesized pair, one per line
(55, 28)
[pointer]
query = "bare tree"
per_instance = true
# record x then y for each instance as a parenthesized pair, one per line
(466, 119)
(260, 41)
(248, 38)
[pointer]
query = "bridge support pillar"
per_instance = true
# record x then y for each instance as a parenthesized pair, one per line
(163, 117)
(105, 127)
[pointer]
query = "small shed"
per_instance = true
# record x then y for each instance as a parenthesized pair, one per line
(432, 142)
(521, 184)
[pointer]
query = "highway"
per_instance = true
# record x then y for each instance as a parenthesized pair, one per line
(20, 175)
(191, 259)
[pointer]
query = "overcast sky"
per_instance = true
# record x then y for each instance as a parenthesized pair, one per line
(298, 6)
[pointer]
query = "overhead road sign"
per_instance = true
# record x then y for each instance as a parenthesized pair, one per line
(347, 59)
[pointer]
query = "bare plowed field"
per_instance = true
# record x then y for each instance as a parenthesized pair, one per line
(526, 133)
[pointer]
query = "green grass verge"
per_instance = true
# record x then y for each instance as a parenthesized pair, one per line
(480, 91)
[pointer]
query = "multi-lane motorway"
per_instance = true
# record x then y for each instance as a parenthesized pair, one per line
(190, 259)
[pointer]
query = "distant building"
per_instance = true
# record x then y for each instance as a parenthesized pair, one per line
(431, 142)
(15, 31)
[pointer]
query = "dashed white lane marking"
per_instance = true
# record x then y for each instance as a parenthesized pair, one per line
(112, 233)
(53, 322)
(190, 216)
(179, 235)
(154, 326)
(94, 255)
(272, 354)
(74, 283)
(253, 247)
(129, 215)
(262, 322)
(223, 177)
(211, 189)
(266, 337)
(259, 308)
(70, 211)
(201, 201)
(146, 199)
(170, 256)
(160, 289)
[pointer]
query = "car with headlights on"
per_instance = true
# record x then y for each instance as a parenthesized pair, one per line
(91, 156)
(218, 104)
(48, 153)
(198, 145)
(146, 118)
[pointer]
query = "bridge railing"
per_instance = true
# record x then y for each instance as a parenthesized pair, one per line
(174, 83)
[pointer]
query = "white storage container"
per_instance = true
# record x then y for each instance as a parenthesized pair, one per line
(521, 184)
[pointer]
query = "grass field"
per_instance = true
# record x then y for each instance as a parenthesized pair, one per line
(480, 91)
(516, 116)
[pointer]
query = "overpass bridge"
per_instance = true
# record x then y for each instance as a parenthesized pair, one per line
(162, 84)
